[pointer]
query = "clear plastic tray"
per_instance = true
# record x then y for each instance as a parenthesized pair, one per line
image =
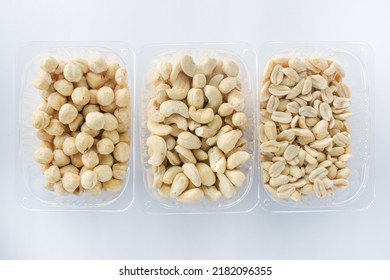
(30, 189)
(247, 196)
(356, 59)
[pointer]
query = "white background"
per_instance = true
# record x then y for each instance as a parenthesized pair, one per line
(134, 234)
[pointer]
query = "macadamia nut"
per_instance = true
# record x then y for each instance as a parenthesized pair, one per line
(83, 123)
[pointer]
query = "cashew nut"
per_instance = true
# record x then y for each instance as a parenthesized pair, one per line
(207, 176)
(202, 116)
(180, 121)
(170, 107)
(217, 160)
(159, 149)
(225, 186)
(227, 141)
(180, 87)
(179, 185)
(214, 97)
(195, 98)
(159, 128)
(210, 129)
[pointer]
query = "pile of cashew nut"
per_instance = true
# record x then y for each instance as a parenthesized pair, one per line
(83, 123)
(196, 122)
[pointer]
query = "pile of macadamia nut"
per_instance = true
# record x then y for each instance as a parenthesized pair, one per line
(83, 122)
(196, 121)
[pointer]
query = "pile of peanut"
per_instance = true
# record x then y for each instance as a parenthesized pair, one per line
(196, 121)
(304, 134)
(83, 122)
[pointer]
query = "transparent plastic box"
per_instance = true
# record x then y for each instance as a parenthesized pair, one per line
(357, 61)
(29, 186)
(147, 62)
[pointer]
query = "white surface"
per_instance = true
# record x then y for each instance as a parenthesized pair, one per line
(134, 234)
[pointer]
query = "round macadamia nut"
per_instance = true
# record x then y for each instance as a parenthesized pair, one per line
(122, 152)
(88, 179)
(105, 96)
(104, 173)
(67, 114)
(49, 64)
(80, 96)
(95, 120)
(63, 87)
(40, 119)
(105, 146)
(84, 141)
(52, 174)
(90, 159)
(71, 181)
(73, 72)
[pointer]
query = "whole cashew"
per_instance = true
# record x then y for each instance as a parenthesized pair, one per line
(210, 129)
(236, 159)
(165, 69)
(217, 160)
(188, 66)
(185, 155)
(171, 142)
(159, 128)
(192, 125)
(191, 196)
(237, 177)
(200, 155)
(236, 99)
(211, 193)
(207, 66)
(161, 93)
(170, 107)
(175, 71)
(179, 185)
(202, 116)
(214, 81)
(207, 176)
(227, 84)
(158, 149)
(192, 173)
(170, 174)
(180, 121)
(158, 172)
(225, 109)
(213, 140)
(188, 140)
(225, 186)
(214, 97)
(227, 141)
(195, 98)
(153, 111)
(173, 158)
(180, 87)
